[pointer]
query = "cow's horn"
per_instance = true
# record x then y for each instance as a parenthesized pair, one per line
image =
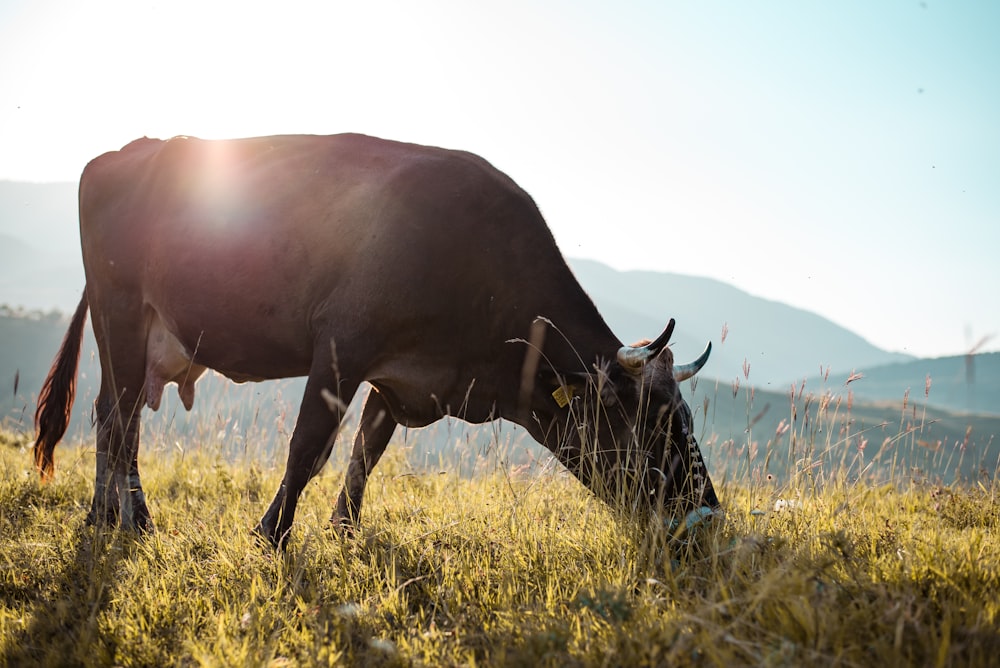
(684, 371)
(634, 358)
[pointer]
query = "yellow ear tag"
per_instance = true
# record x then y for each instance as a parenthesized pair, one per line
(562, 395)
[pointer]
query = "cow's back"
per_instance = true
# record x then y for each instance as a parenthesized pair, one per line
(249, 249)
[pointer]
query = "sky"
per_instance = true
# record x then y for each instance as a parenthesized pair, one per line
(842, 157)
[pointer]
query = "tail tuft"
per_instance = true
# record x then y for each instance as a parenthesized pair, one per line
(55, 401)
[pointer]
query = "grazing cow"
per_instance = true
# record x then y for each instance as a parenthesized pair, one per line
(426, 272)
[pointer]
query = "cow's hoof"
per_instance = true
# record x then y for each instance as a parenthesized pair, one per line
(694, 522)
(143, 525)
(267, 538)
(142, 520)
(344, 526)
(108, 518)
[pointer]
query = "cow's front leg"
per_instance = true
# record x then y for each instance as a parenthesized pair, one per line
(141, 519)
(310, 447)
(373, 436)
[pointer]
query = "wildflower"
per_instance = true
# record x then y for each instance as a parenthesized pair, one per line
(382, 644)
(349, 610)
(782, 505)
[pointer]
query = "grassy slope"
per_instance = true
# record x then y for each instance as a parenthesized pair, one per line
(751, 432)
(515, 569)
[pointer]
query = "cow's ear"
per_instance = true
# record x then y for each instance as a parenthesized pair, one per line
(564, 387)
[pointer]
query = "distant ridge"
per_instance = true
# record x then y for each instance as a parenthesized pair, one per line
(782, 344)
(42, 215)
(40, 264)
(963, 384)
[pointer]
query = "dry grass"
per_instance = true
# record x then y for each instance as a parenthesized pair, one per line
(503, 568)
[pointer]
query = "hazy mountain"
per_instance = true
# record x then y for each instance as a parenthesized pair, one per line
(781, 344)
(966, 383)
(40, 264)
(15, 255)
(42, 215)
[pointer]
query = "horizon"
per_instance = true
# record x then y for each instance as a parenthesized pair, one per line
(842, 160)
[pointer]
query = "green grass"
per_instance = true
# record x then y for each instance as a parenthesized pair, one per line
(501, 569)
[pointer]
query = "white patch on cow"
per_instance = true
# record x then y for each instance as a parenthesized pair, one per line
(168, 361)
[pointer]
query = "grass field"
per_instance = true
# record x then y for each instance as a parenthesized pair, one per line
(510, 567)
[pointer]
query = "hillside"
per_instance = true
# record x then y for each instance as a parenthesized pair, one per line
(30, 341)
(967, 383)
(825, 429)
(258, 418)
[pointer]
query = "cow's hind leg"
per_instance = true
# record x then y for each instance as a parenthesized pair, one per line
(373, 435)
(119, 328)
(104, 507)
(118, 494)
(309, 449)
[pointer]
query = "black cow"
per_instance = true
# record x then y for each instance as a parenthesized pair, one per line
(424, 271)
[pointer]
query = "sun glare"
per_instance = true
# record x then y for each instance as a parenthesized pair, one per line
(218, 190)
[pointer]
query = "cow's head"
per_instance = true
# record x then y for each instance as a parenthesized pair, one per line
(635, 433)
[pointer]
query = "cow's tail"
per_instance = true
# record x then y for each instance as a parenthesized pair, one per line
(55, 401)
